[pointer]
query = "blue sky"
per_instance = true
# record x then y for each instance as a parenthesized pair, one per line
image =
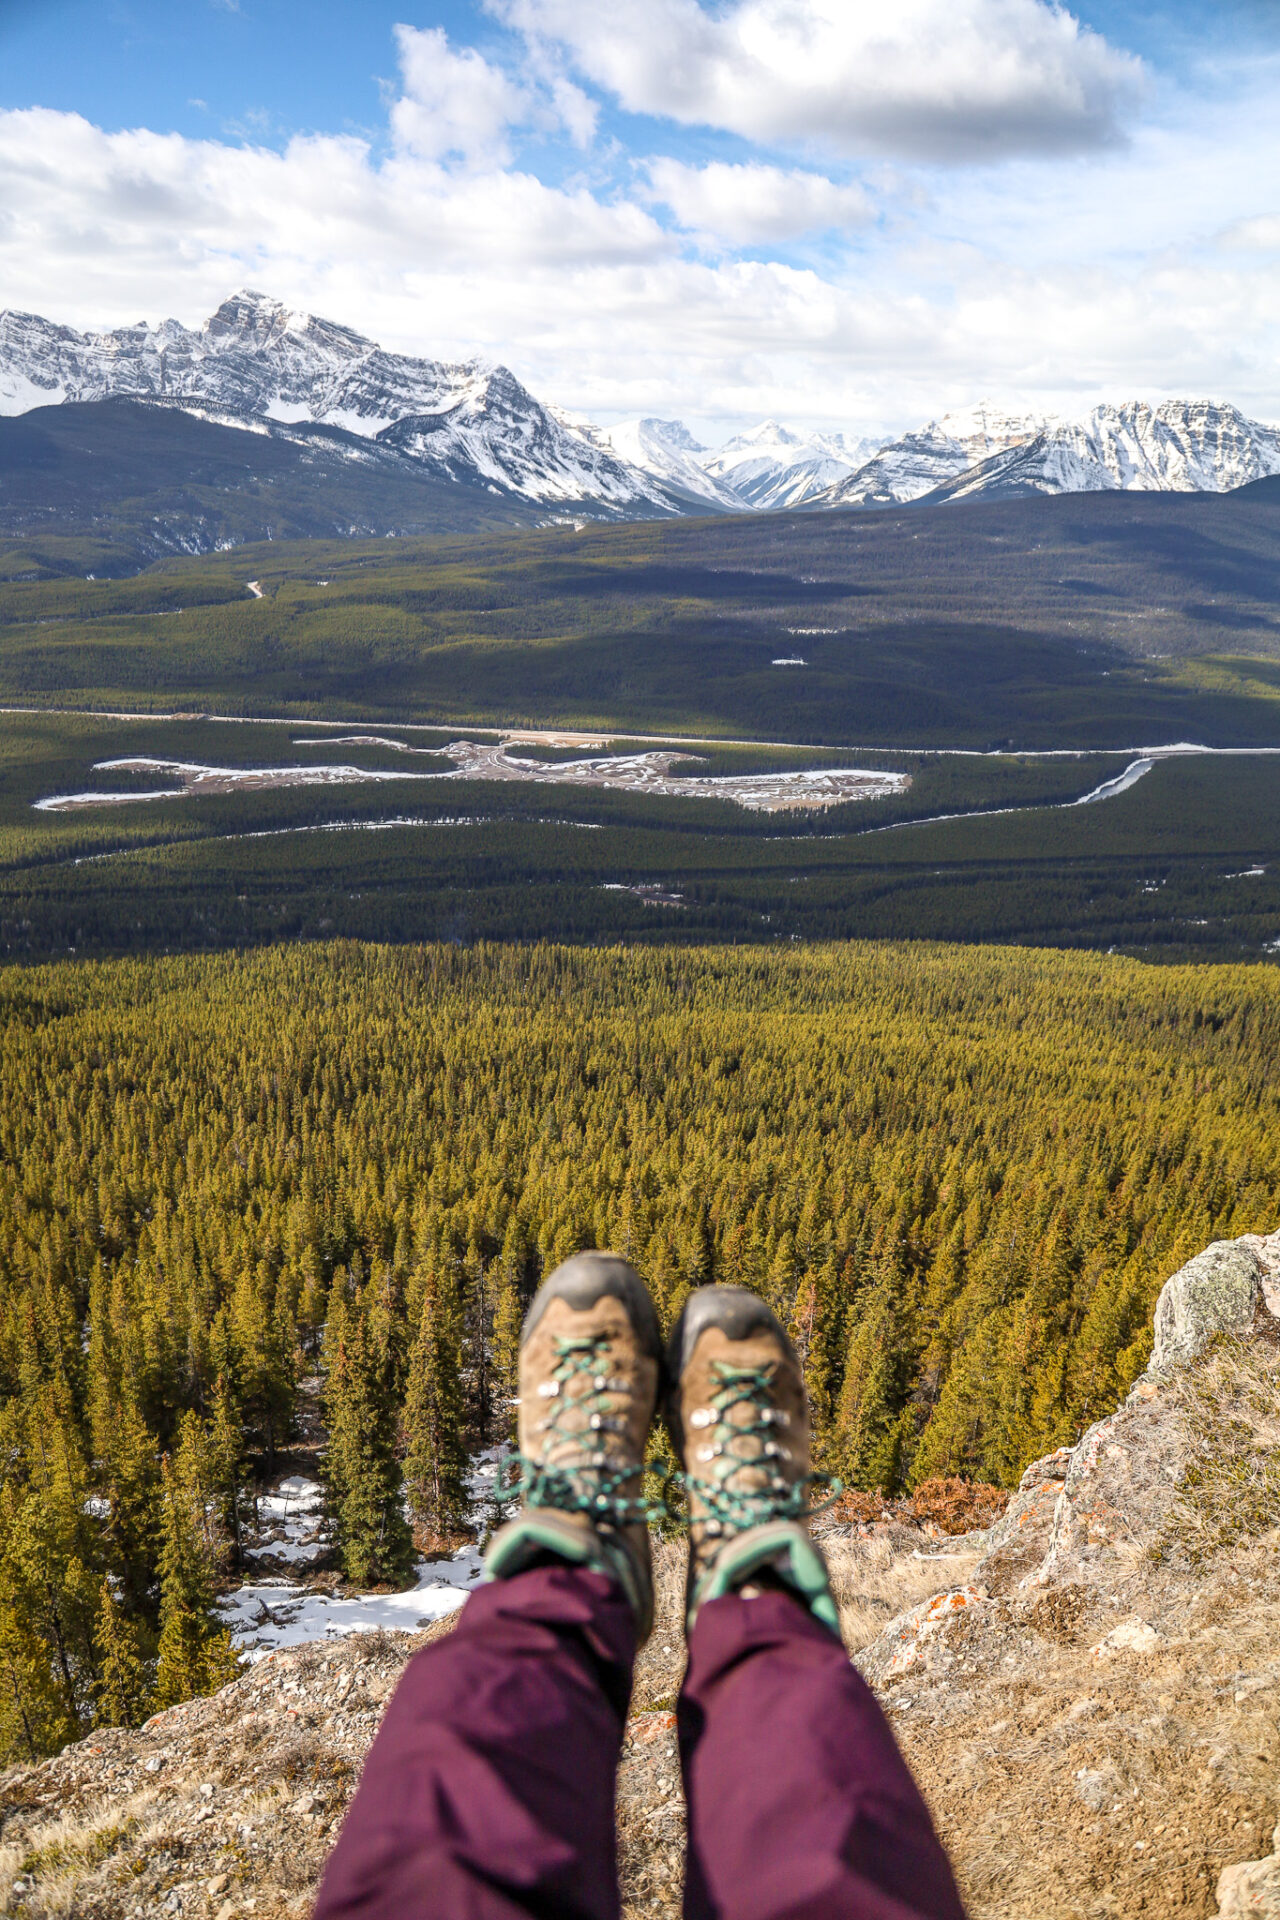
(855, 212)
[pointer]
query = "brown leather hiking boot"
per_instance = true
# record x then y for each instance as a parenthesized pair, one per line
(590, 1365)
(739, 1416)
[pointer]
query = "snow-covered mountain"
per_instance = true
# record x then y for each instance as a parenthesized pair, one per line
(771, 466)
(255, 359)
(1181, 446)
(915, 465)
(667, 450)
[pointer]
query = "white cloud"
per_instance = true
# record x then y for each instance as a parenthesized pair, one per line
(1044, 287)
(748, 204)
(1261, 234)
(453, 103)
(456, 105)
(922, 79)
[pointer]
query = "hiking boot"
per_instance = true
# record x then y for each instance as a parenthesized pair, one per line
(739, 1417)
(590, 1364)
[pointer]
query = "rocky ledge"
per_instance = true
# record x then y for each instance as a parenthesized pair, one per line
(1095, 1709)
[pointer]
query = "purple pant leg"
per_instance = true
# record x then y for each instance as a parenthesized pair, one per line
(800, 1805)
(489, 1791)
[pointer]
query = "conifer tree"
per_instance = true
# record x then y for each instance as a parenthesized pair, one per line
(34, 1719)
(817, 1332)
(131, 1478)
(226, 1464)
(508, 1320)
(121, 1686)
(870, 1434)
(782, 1278)
(365, 1484)
(195, 1654)
(47, 1544)
(436, 1451)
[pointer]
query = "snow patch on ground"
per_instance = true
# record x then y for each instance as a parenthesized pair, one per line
(1120, 784)
(290, 1522)
(274, 1613)
(650, 773)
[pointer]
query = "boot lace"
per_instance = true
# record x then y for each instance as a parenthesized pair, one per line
(746, 1486)
(589, 1477)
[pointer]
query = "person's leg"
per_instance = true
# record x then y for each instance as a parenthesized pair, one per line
(489, 1791)
(800, 1804)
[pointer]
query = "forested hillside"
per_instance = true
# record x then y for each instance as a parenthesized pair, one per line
(959, 1176)
(1090, 621)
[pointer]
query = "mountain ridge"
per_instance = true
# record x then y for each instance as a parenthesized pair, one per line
(256, 358)
(258, 366)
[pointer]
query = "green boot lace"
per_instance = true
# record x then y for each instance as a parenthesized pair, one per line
(731, 1508)
(770, 1508)
(588, 1480)
(594, 1482)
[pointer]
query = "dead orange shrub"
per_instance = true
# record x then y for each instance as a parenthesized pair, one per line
(948, 1503)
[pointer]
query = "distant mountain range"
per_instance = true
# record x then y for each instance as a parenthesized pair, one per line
(294, 402)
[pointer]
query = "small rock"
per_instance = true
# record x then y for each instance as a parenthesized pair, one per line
(1133, 1635)
(1250, 1891)
(650, 1726)
(1053, 1467)
(1094, 1788)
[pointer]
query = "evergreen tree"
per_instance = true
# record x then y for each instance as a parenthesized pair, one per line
(817, 1333)
(224, 1445)
(783, 1278)
(131, 1481)
(870, 1428)
(508, 1321)
(121, 1687)
(436, 1453)
(34, 1717)
(195, 1654)
(365, 1484)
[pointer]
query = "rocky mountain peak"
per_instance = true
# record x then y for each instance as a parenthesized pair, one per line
(245, 319)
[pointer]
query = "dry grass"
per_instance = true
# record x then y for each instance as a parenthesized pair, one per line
(1070, 1786)
(1230, 1487)
(875, 1579)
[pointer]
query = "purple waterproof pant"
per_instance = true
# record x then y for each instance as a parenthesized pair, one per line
(489, 1791)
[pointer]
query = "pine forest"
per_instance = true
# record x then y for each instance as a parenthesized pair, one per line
(233, 1184)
